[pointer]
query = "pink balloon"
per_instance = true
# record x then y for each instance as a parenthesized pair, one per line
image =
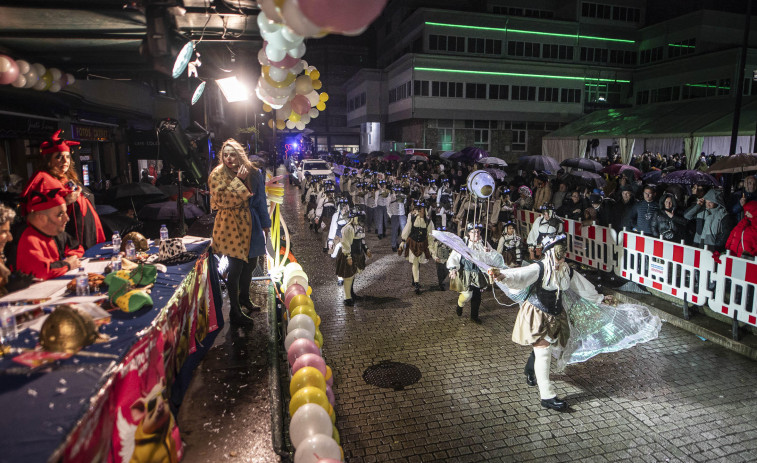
(300, 104)
(293, 290)
(286, 63)
(330, 381)
(301, 347)
(10, 73)
(330, 395)
(310, 360)
(341, 15)
(329, 460)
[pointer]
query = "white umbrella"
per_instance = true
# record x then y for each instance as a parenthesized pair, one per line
(492, 161)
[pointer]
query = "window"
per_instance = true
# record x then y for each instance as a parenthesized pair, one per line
(596, 55)
(446, 43)
(527, 49)
(519, 140)
(622, 57)
(445, 139)
(484, 46)
(528, 12)
(612, 12)
(549, 94)
(650, 55)
(400, 93)
(602, 93)
(523, 92)
(552, 51)
(475, 90)
(570, 95)
(499, 92)
(682, 47)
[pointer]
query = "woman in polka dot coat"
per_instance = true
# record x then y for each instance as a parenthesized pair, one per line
(237, 192)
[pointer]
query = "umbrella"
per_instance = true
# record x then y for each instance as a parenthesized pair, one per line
(734, 164)
(121, 222)
(352, 155)
(392, 157)
(375, 154)
(617, 169)
(652, 176)
(447, 154)
(583, 164)
(584, 177)
(498, 174)
(538, 163)
(143, 190)
(492, 161)
(169, 210)
(690, 177)
(470, 154)
(105, 209)
(416, 157)
(255, 158)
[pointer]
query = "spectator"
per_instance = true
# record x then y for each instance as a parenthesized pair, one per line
(715, 220)
(743, 239)
(574, 208)
(667, 223)
(543, 192)
(602, 210)
(558, 198)
(743, 196)
(639, 217)
(525, 201)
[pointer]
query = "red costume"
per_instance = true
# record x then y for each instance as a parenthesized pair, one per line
(743, 238)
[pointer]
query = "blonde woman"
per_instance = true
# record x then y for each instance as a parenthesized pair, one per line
(237, 192)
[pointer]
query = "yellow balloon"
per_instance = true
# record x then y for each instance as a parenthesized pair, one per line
(270, 123)
(267, 108)
(308, 395)
(335, 435)
(309, 290)
(306, 377)
(284, 83)
(315, 74)
(318, 338)
(324, 97)
(332, 413)
(304, 309)
(307, 72)
(328, 372)
(318, 343)
(280, 124)
(301, 299)
(317, 320)
(317, 84)
(320, 106)
(294, 117)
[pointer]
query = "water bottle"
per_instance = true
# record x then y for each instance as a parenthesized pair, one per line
(116, 240)
(115, 263)
(163, 233)
(82, 283)
(131, 251)
(8, 330)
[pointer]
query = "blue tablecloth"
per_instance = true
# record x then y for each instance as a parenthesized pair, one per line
(40, 410)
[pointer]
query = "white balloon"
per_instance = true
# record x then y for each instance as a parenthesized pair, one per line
(31, 78)
(317, 447)
(39, 69)
(55, 72)
(274, 53)
(40, 85)
(313, 98)
(266, 25)
(277, 74)
(262, 58)
(5, 64)
(310, 419)
(299, 125)
(20, 81)
(70, 79)
(271, 12)
(297, 68)
(305, 119)
(291, 36)
(54, 87)
(297, 334)
(297, 52)
(301, 321)
(23, 66)
(304, 64)
(290, 124)
(313, 113)
(277, 40)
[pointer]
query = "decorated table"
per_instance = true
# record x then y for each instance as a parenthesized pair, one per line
(113, 400)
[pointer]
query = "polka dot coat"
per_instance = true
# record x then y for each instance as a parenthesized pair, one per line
(233, 223)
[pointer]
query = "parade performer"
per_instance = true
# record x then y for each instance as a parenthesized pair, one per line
(415, 241)
(502, 211)
(510, 245)
(544, 225)
(352, 254)
(397, 217)
(382, 216)
(370, 207)
(472, 280)
(338, 220)
(441, 253)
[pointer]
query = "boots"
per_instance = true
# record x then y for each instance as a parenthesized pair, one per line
(529, 370)
(245, 302)
(238, 317)
(417, 287)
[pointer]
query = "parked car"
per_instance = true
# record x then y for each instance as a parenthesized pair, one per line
(315, 167)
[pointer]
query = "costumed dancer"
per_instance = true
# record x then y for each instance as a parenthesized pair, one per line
(502, 211)
(338, 220)
(544, 225)
(382, 216)
(525, 201)
(325, 210)
(415, 241)
(370, 207)
(510, 245)
(441, 253)
(397, 217)
(472, 279)
(466, 207)
(352, 254)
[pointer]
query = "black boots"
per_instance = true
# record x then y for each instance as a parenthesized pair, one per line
(529, 370)
(458, 310)
(238, 317)
(554, 403)
(245, 302)
(417, 287)
(349, 302)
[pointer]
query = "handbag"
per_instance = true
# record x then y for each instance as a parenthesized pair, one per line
(456, 284)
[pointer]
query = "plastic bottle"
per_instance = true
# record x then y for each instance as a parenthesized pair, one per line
(116, 240)
(82, 283)
(163, 233)
(115, 263)
(131, 251)
(8, 329)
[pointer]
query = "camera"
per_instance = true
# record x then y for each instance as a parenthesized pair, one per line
(72, 186)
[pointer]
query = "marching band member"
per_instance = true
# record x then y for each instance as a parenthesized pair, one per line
(397, 218)
(544, 225)
(382, 216)
(471, 278)
(352, 254)
(415, 241)
(510, 245)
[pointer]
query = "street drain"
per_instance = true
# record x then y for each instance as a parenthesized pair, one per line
(392, 375)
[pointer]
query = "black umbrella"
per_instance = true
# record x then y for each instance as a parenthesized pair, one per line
(131, 194)
(169, 210)
(583, 164)
(538, 163)
(587, 178)
(690, 177)
(734, 164)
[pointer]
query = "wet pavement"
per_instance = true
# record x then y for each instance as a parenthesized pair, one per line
(677, 398)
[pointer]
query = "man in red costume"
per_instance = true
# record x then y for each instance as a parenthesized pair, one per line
(44, 249)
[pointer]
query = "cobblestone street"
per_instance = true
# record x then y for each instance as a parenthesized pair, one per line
(677, 398)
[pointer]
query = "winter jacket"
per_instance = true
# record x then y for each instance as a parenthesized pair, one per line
(639, 217)
(716, 223)
(743, 238)
(669, 228)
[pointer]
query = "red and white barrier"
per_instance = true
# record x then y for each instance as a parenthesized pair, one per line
(679, 270)
(735, 289)
(524, 220)
(591, 245)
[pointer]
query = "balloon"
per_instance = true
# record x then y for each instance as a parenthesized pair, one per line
(39, 69)
(270, 10)
(321, 106)
(301, 322)
(20, 81)
(305, 118)
(312, 97)
(317, 84)
(303, 85)
(310, 360)
(324, 97)
(55, 87)
(332, 413)
(23, 66)
(317, 319)
(298, 67)
(55, 72)
(278, 74)
(297, 279)
(315, 75)
(317, 447)
(299, 274)
(8, 70)
(270, 123)
(313, 113)
(308, 420)
(300, 104)
(329, 393)
(335, 436)
(308, 395)
(302, 299)
(31, 78)
(355, 31)
(294, 117)
(286, 63)
(42, 84)
(341, 15)
(299, 125)
(299, 333)
(274, 53)
(265, 24)
(301, 347)
(307, 377)
(296, 52)
(280, 124)
(286, 82)
(329, 377)
(70, 79)
(295, 20)
(310, 290)
(329, 460)
(318, 337)
(292, 290)
(291, 36)
(262, 58)
(306, 310)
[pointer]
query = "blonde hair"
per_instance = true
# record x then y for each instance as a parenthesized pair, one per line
(241, 157)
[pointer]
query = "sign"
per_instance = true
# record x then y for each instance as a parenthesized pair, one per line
(143, 144)
(657, 269)
(11, 127)
(88, 132)
(578, 245)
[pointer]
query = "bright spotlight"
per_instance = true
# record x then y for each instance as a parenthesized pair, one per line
(233, 89)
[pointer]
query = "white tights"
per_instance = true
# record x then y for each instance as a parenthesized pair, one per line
(348, 287)
(416, 272)
(542, 363)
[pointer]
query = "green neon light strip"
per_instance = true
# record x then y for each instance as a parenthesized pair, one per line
(518, 74)
(681, 46)
(707, 86)
(521, 31)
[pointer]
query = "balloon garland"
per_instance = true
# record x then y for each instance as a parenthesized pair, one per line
(21, 74)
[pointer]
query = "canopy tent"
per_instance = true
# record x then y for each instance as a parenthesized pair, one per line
(692, 126)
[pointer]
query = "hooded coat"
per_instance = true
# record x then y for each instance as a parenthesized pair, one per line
(716, 222)
(743, 238)
(669, 228)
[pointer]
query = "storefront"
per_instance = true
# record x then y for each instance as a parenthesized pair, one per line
(20, 137)
(97, 153)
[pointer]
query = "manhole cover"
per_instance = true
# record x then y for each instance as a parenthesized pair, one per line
(392, 375)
